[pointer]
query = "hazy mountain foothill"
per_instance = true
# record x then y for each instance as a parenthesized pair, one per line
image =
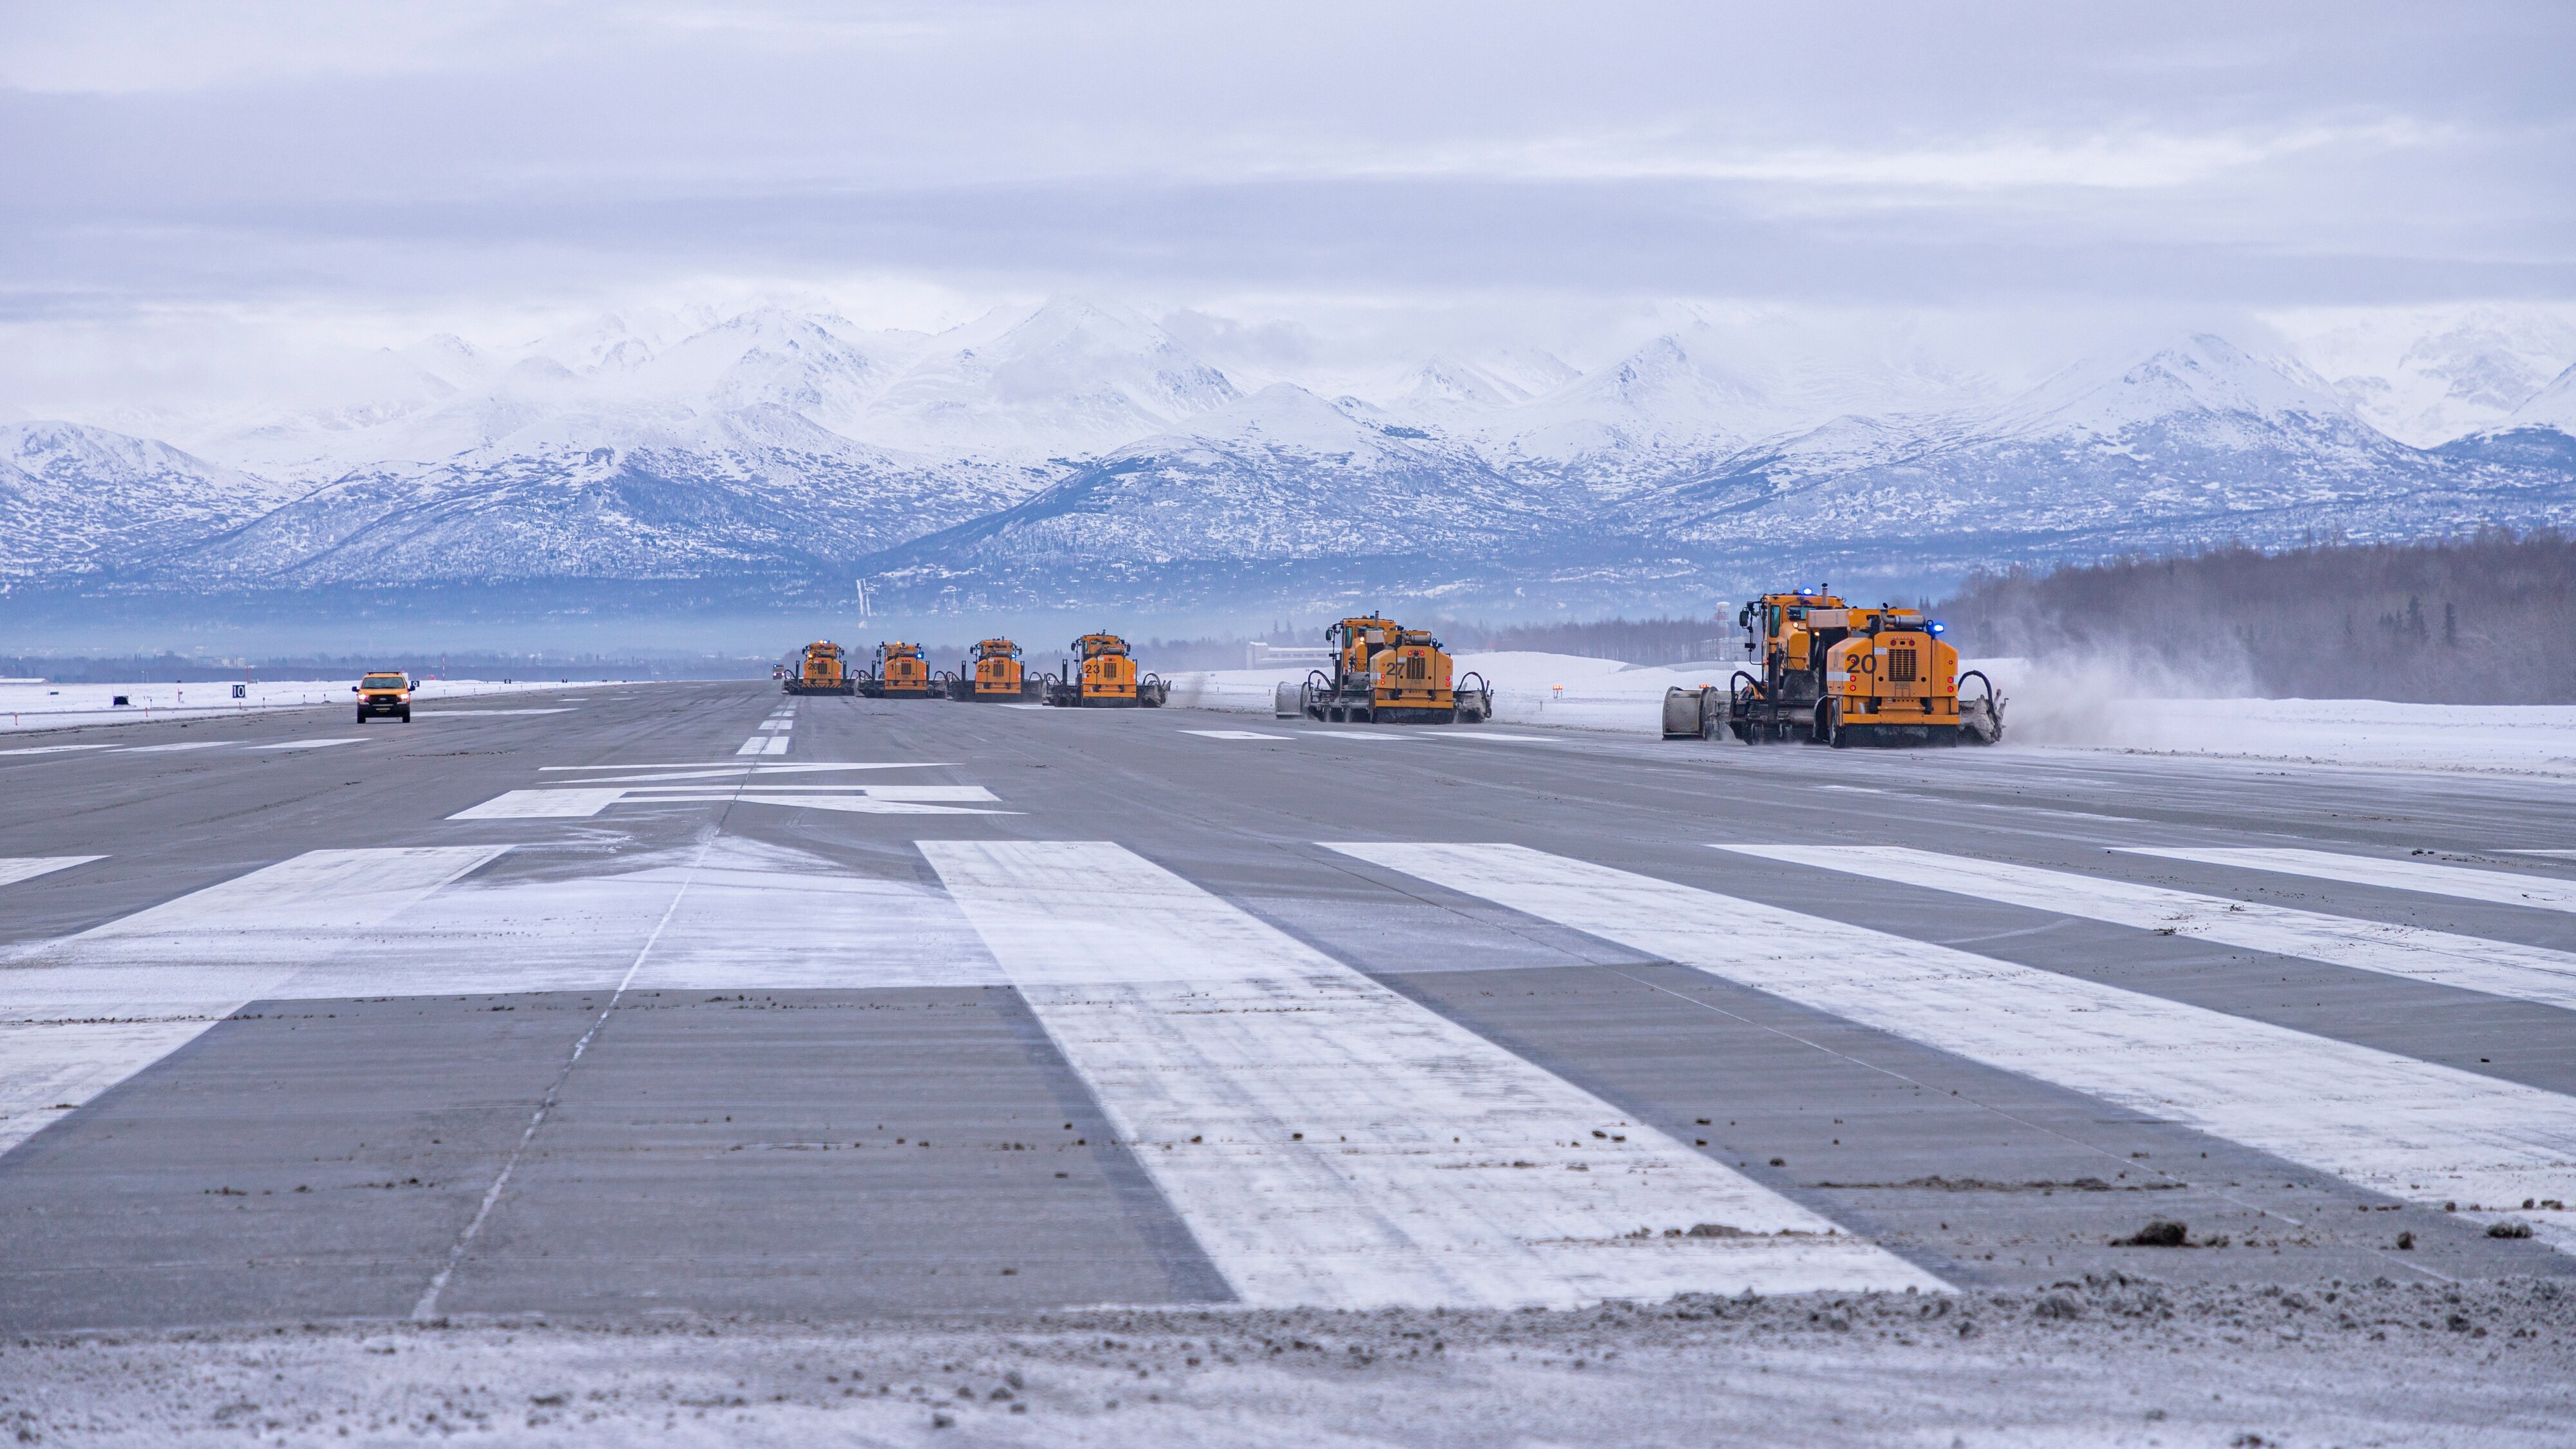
(1083, 457)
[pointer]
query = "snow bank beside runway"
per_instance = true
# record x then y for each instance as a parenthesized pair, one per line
(2047, 709)
(57, 706)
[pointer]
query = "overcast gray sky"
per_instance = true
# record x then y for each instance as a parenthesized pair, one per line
(344, 170)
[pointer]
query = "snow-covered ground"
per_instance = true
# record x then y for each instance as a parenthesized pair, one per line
(55, 706)
(2046, 709)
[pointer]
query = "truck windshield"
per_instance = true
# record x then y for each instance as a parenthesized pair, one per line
(385, 681)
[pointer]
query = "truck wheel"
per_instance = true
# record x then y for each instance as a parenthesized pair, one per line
(362, 714)
(406, 714)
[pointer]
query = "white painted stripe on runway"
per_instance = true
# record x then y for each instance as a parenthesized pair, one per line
(557, 804)
(764, 745)
(778, 724)
(2424, 877)
(15, 868)
(2400, 1126)
(174, 749)
(2498, 968)
(310, 744)
(727, 767)
(1354, 735)
(54, 749)
(1232, 735)
(487, 713)
(863, 805)
(893, 802)
(1494, 735)
(2560, 853)
(81, 1014)
(881, 792)
(1211, 1038)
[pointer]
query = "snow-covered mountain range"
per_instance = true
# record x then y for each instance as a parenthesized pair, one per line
(1082, 454)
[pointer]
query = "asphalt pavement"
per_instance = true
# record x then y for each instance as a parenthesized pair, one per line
(626, 1001)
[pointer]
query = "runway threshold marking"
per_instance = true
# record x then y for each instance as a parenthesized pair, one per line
(2494, 886)
(2498, 968)
(81, 1014)
(1213, 1040)
(15, 868)
(2396, 1125)
(764, 745)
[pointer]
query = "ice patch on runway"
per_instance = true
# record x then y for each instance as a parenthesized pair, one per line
(1331, 1143)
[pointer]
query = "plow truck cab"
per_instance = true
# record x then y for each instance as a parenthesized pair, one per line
(822, 669)
(901, 673)
(1833, 674)
(1893, 680)
(1384, 673)
(994, 676)
(1102, 675)
(1785, 636)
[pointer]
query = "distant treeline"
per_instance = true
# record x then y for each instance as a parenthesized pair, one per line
(193, 669)
(2485, 619)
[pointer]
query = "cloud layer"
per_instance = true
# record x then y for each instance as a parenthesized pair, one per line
(302, 175)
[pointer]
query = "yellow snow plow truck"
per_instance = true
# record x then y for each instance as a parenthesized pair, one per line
(901, 673)
(822, 670)
(1833, 674)
(1384, 673)
(995, 675)
(1102, 675)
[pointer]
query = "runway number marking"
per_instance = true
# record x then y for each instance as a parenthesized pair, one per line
(1435, 1167)
(2411, 1129)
